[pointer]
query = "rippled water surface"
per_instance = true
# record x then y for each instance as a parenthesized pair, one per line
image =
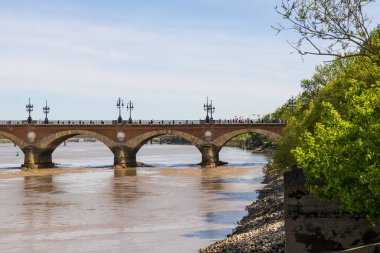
(173, 207)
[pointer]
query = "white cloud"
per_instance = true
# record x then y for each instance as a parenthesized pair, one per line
(63, 57)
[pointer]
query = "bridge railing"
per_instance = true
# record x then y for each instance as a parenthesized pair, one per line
(186, 122)
(164, 122)
(57, 122)
(78, 122)
(138, 122)
(11, 122)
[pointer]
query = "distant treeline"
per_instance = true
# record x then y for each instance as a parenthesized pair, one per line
(170, 139)
(3, 140)
(252, 141)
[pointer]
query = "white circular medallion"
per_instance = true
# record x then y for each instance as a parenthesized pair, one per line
(120, 136)
(208, 134)
(31, 136)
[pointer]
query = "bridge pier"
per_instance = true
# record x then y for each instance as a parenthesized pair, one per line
(119, 158)
(124, 157)
(45, 159)
(130, 158)
(37, 159)
(28, 159)
(210, 156)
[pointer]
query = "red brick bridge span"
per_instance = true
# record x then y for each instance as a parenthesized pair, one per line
(38, 141)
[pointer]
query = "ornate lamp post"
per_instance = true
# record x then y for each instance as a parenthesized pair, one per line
(130, 109)
(119, 105)
(206, 107)
(291, 105)
(212, 110)
(46, 110)
(29, 109)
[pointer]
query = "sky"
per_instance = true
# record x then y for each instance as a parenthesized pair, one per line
(166, 56)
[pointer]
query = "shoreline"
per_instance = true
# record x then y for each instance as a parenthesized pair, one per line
(189, 171)
(46, 172)
(262, 229)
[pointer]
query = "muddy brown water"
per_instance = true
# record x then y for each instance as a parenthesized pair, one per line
(172, 207)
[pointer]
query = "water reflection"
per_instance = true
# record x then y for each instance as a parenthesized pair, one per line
(126, 186)
(133, 210)
(38, 205)
(224, 217)
(211, 184)
(238, 196)
(240, 180)
(215, 234)
(129, 172)
(39, 184)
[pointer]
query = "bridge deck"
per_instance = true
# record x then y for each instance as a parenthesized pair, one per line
(39, 140)
(134, 122)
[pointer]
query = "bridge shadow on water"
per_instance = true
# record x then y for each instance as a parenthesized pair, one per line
(247, 164)
(153, 165)
(10, 167)
(236, 180)
(167, 165)
(192, 165)
(69, 166)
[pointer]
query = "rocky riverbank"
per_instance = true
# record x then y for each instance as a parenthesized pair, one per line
(262, 229)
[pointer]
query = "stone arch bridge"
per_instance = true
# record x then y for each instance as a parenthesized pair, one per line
(38, 141)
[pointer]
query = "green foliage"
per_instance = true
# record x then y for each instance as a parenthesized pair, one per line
(255, 140)
(172, 139)
(242, 137)
(282, 159)
(341, 155)
(302, 117)
(4, 140)
(334, 132)
(335, 136)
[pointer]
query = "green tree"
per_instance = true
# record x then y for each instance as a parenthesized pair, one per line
(334, 133)
(255, 140)
(340, 154)
(302, 118)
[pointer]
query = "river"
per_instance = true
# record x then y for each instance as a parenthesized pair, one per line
(172, 207)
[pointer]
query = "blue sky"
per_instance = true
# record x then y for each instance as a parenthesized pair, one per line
(165, 56)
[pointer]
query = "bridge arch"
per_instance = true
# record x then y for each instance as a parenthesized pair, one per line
(222, 140)
(137, 142)
(16, 140)
(52, 141)
(42, 154)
